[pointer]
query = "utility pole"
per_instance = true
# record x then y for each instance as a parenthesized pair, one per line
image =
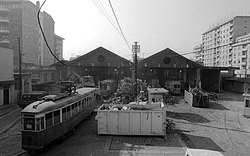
(20, 68)
(135, 50)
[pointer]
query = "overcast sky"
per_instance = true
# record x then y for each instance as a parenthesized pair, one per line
(155, 24)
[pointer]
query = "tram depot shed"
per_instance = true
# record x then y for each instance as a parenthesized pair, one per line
(163, 66)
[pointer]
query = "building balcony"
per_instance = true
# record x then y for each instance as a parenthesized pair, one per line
(5, 41)
(4, 10)
(4, 31)
(4, 20)
(244, 49)
(243, 63)
(244, 56)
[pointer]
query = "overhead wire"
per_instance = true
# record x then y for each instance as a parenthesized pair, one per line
(42, 31)
(102, 9)
(100, 3)
(119, 25)
(46, 42)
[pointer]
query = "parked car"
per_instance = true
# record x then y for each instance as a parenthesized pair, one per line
(31, 97)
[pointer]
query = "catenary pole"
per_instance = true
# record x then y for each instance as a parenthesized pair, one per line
(135, 50)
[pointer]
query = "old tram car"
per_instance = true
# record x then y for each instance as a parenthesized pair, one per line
(46, 120)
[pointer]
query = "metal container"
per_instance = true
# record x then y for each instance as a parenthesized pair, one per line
(131, 122)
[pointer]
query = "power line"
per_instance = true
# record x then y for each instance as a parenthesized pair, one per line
(39, 23)
(101, 8)
(100, 4)
(119, 25)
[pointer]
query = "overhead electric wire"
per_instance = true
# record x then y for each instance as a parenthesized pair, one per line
(119, 25)
(39, 22)
(100, 4)
(47, 44)
(101, 8)
(106, 12)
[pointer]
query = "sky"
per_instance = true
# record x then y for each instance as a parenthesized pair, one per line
(154, 24)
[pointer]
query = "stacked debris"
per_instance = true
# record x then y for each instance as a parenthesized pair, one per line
(125, 90)
(200, 98)
(169, 99)
(196, 91)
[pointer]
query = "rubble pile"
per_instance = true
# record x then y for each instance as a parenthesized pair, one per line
(197, 91)
(125, 90)
(169, 99)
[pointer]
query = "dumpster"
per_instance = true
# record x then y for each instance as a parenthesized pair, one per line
(197, 100)
(118, 121)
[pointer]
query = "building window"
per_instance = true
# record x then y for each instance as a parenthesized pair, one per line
(45, 77)
(52, 76)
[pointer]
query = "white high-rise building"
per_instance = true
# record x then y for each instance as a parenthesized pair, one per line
(217, 42)
(241, 55)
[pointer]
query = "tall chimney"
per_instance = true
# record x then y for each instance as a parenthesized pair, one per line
(38, 4)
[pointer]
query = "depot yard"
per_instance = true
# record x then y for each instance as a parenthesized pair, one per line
(221, 127)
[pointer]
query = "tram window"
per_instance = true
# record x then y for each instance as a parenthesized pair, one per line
(68, 112)
(56, 117)
(49, 121)
(73, 109)
(64, 114)
(82, 105)
(29, 124)
(38, 123)
(78, 105)
(42, 123)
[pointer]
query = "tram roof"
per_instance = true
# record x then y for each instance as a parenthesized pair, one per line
(47, 106)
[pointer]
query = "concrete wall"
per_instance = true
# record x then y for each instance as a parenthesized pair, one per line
(30, 31)
(6, 64)
(241, 26)
(48, 27)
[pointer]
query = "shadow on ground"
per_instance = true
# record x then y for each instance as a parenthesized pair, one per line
(199, 142)
(217, 106)
(230, 96)
(191, 117)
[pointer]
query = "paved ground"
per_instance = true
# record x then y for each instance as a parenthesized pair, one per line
(221, 127)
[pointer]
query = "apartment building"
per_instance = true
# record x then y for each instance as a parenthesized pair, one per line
(58, 47)
(18, 20)
(241, 55)
(217, 42)
(198, 53)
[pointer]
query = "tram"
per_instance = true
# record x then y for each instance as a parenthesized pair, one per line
(46, 120)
